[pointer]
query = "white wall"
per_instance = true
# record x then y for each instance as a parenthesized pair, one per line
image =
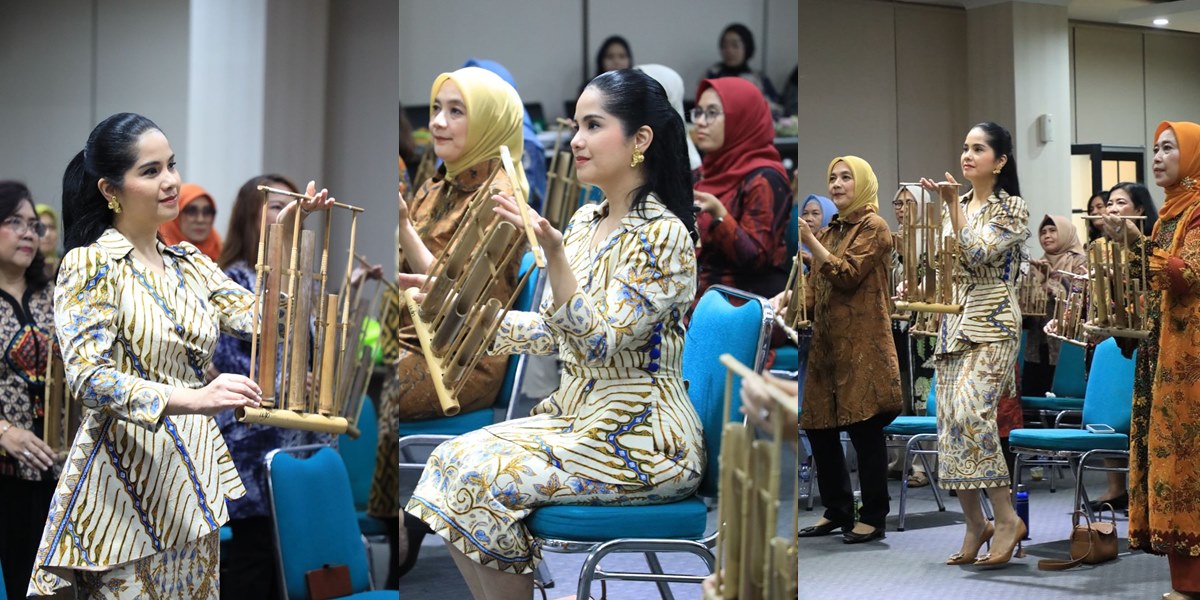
(69, 64)
(542, 41)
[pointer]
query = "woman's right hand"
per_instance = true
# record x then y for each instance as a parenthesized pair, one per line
(1051, 327)
(226, 392)
(901, 290)
(27, 448)
(947, 190)
(780, 301)
(548, 237)
(403, 208)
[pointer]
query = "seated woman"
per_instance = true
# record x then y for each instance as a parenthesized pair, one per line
(816, 212)
(737, 48)
(473, 112)
(744, 195)
(194, 223)
(1097, 206)
(614, 54)
(620, 429)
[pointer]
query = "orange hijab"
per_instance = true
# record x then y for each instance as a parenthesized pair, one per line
(1185, 193)
(172, 234)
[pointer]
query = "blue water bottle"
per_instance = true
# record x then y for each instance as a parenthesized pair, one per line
(1022, 506)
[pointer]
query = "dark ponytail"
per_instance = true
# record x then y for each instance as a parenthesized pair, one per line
(1001, 142)
(637, 99)
(110, 151)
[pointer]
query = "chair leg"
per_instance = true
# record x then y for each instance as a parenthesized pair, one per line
(664, 588)
(1080, 493)
(904, 483)
(542, 573)
(932, 475)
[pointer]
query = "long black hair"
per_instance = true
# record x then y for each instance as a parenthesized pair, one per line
(110, 152)
(12, 194)
(636, 99)
(747, 44)
(610, 40)
(1140, 195)
(1001, 143)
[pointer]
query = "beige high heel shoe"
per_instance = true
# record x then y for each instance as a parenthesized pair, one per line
(959, 558)
(995, 559)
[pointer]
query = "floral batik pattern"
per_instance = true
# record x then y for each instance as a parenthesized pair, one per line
(619, 430)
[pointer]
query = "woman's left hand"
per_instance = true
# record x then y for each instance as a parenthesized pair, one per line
(413, 280)
(549, 237)
(710, 204)
(319, 201)
(806, 234)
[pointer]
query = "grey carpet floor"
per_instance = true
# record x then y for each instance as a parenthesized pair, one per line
(909, 564)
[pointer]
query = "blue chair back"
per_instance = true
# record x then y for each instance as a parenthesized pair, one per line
(1070, 375)
(3, 588)
(1109, 397)
(719, 326)
(791, 236)
(359, 455)
(314, 518)
(525, 302)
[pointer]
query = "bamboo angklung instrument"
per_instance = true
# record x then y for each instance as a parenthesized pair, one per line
(795, 315)
(292, 398)
(1031, 295)
(563, 190)
(753, 563)
(1117, 306)
(459, 316)
(1069, 312)
(60, 416)
(928, 263)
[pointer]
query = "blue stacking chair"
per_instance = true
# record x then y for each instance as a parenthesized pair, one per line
(359, 456)
(1108, 400)
(724, 321)
(315, 523)
(3, 588)
(429, 433)
(917, 429)
(1068, 387)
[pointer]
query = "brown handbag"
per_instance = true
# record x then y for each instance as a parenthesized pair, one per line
(330, 581)
(1091, 543)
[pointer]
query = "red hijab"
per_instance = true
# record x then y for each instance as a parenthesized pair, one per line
(171, 233)
(749, 138)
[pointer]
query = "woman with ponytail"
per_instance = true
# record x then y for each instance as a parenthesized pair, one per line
(142, 494)
(622, 275)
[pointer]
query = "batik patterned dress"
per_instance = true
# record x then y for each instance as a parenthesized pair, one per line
(142, 494)
(619, 430)
(977, 349)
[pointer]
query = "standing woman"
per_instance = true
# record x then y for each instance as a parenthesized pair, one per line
(49, 217)
(853, 378)
(620, 430)
(744, 195)
(1164, 514)
(977, 349)
(142, 496)
(27, 465)
(473, 112)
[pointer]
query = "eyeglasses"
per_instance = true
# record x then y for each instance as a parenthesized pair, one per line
(709, 115)
(898, 203)
(20, 226)
(200, 211)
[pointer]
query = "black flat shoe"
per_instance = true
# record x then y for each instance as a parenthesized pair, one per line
(859, 538)
(819, 530)
(1119, 503)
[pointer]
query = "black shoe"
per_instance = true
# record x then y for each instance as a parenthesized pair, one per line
(416, 530)
(819, 530)
(1119, 503)
(858, 538)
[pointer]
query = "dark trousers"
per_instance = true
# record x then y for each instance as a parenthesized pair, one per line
(833, 478)
(249, 569)
(23, 508)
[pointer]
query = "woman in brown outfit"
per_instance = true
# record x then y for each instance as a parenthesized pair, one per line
(853, 379)
(472, 113)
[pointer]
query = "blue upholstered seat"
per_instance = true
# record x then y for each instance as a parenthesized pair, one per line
(683, 520)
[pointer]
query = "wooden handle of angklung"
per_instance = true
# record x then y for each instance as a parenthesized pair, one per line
(539, 257)
(54, 403)
(269, 331)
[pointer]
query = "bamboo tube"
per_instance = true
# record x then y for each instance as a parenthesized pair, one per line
(325, 396)
(320, 323)
(53, 431)
(270, 317)
(297, 352)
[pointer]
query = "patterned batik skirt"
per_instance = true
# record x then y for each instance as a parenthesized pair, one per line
(189, 571)
(477, 488)
(969, 387)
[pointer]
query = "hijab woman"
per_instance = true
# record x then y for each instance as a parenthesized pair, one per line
(853, 377)
(473, 112)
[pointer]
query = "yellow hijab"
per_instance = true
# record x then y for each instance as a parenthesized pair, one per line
(866, 187)
(495, 118)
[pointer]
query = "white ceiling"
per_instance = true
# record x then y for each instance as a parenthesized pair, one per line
(1184, 15)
